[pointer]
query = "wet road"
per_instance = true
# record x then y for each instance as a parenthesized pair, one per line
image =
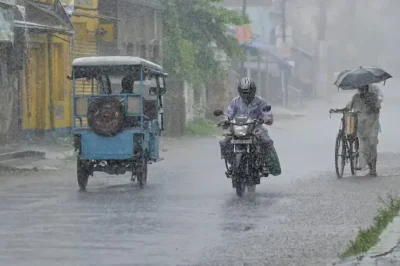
(189, 214)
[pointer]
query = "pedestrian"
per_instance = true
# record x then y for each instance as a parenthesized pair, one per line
(367, 102)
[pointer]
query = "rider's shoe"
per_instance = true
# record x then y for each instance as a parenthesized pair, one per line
(228, 173)
(265, 171)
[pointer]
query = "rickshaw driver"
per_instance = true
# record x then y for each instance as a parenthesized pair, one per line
(127, 85)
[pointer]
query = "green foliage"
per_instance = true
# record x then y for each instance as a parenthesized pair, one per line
(191, 27)
(202, 127)
(367, 238)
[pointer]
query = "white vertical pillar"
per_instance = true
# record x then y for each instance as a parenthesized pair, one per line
(248, 64)
(155, 25)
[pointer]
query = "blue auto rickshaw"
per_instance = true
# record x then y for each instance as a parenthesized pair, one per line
(117, 115)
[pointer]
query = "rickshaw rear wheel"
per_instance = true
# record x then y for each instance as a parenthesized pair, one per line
(83, 173)
(141, 172)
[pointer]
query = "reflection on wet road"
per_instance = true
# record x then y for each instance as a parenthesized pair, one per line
(189, 214)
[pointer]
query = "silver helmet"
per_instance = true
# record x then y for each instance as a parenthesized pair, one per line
(247, 89)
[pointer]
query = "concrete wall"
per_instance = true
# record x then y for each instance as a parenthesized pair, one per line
(140, 31)
(195, 102)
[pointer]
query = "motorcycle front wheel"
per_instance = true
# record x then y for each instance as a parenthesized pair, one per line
(238, 179)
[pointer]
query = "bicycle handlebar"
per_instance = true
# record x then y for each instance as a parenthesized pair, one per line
(342, 112)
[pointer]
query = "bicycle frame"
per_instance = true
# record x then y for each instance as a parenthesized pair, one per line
(349, 144)
(347, 139)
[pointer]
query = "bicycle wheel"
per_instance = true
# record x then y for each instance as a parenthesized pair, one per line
(340, 155)
(353, 155)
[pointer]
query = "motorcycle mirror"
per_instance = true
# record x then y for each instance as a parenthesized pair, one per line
(267, 108)
(218, 112)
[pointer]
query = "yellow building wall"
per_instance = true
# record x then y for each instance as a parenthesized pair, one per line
(45, 105)
(62, 87)
(89, 9)
(86, 22)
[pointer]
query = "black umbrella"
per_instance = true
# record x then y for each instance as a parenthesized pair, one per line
(353, 78)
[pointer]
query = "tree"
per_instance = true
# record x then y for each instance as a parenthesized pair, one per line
(191, 27)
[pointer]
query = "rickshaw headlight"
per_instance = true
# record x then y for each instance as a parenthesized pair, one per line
(133, 105)
(81, 106)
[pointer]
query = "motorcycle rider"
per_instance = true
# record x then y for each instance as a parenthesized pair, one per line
(248, 104)
(368, 103)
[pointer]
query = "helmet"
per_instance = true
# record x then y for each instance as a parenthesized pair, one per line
(247, 89)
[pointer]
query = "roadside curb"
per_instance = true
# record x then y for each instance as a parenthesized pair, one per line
(388, 241)
(5, 168)
(22, 154)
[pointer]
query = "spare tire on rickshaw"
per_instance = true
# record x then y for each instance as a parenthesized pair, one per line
(106, 116)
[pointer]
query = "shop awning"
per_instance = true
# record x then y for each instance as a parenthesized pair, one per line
(40, 27)
(44, 18)
(156, 4)
(271, 51)
(6, 23)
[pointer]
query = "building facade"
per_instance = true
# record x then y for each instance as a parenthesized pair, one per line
(9, 115)
(46, 95)
(137, 28)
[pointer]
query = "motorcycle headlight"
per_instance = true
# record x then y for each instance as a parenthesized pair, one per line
(240, 131)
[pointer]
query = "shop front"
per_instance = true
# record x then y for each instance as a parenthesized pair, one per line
(8, 74)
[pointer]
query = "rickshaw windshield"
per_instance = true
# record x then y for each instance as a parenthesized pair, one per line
(108, 79)
(115, 80)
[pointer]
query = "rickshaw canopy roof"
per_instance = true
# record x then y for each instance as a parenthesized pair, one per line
(93, 61)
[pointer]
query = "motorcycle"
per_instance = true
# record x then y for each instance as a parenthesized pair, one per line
(247, 161)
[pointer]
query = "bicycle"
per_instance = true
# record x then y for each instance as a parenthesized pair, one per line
(348, 142)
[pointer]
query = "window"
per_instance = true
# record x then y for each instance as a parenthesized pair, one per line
(143, 51)
(58, 72)
(129, 49)
(156, 52)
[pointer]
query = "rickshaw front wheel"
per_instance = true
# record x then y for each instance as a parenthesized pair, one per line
(83, 173)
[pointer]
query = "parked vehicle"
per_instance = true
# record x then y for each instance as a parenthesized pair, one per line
(117, 115)
(247, 161)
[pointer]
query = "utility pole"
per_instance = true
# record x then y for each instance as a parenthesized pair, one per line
(283, 45)
(283, 7)
(244, 8)
(323, 90)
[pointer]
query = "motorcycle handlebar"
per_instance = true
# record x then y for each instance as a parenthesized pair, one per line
(255, 121)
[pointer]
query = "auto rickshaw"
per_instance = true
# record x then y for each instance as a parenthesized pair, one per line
(117, 116)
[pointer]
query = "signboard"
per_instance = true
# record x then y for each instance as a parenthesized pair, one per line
(86, 3)
(9, 2)
(244, 34)
(6, 25)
